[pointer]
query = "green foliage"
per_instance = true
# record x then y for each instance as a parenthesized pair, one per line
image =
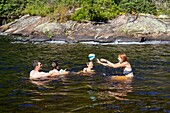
(96, 10)
(89, 10)
(164, 11)
(38, 8)
(71, 4)
(81, 15)
(59, 14)
(163, 7)
(49, 34)
(137, 6)
(11, 8)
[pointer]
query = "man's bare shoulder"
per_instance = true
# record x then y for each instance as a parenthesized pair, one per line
(37, 74)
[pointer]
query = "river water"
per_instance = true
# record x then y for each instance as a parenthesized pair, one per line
(149, 91)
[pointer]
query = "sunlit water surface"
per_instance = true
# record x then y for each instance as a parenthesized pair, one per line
(148, 92)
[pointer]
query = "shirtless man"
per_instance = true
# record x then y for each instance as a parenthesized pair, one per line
(35, 74)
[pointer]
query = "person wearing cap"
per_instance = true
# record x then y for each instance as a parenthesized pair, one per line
(35, 73)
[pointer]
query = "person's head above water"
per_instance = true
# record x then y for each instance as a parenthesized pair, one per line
(36, 64)
(122, 57)
(89, 64)
(55, 64)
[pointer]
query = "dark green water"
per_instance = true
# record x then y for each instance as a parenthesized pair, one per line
(148, 92)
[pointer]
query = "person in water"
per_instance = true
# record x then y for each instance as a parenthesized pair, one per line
(89, 64)
(55, 69)
(123, 63)
(88, 70)
(89, 67)
(35, 73)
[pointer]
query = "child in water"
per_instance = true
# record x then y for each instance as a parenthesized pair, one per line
(55, 69)
(88, 69)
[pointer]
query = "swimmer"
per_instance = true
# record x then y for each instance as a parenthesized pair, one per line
(123, 63)
(88, 70)
(89, 67)
(89, 64)
(55, 71)
(35, 73)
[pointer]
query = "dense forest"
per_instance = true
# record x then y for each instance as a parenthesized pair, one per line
(80, 10)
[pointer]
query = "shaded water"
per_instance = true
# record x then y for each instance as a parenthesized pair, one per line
(148, 92)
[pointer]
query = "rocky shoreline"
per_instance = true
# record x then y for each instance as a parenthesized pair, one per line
(124, 28)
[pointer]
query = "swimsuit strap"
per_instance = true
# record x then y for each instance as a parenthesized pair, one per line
(127, 72)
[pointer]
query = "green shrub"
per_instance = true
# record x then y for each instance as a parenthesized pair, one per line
(164, 11)
(38, 8)
(11, 8)
(81, 15)
(59, 14)
(89, 10)
(99, 10)
(138, 6)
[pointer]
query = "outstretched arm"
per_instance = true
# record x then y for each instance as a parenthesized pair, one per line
(110, 64)
(102, 62)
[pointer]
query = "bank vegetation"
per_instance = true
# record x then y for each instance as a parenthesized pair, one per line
(80, 10)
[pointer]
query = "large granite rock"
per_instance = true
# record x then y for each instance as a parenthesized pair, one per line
(135, 28)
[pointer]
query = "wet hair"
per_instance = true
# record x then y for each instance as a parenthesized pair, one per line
(54, 64)
(35, 63)
(88, 63)
(123, 57)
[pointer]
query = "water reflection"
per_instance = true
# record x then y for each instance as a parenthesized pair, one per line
(40, 82)
(147, 92)
(120, 89)
(117, 88)
(45, 81)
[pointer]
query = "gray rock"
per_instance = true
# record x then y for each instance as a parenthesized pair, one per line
(143, 26)
(22, 39)
(39, 38)
(69, 25)
(124, 28)
(128, 39)
(50, 27)
(59, 37)
(22, 24)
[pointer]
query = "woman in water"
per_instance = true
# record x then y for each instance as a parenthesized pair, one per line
(123, 63)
